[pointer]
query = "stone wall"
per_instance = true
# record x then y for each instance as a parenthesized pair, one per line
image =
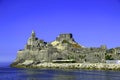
(63, 47)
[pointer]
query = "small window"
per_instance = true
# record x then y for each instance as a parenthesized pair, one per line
(59, 58)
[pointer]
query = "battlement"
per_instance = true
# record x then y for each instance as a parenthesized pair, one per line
(67, 36)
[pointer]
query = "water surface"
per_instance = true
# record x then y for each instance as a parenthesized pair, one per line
(7, 73)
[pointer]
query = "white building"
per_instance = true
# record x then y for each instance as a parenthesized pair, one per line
(113, 61)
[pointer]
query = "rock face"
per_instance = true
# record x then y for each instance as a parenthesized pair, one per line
(63, 48)
(41, 51)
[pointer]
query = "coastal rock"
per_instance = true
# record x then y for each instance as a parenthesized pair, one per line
(64, 41)
(63, 49)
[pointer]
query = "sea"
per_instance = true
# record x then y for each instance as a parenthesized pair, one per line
(8, 73)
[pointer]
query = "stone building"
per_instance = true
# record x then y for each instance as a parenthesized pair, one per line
(64, 48)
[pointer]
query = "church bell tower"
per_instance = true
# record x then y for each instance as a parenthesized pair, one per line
(32, 38)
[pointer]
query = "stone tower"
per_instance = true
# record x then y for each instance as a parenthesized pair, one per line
(33, 34)
(32, 38)
(62, 37)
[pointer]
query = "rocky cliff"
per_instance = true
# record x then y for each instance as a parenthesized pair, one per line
(63, 49)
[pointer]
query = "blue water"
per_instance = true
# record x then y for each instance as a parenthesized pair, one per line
(7, 73)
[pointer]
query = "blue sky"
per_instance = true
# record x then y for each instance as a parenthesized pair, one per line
(92, 22)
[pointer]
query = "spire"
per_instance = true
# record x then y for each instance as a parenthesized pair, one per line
(33, 31)
(33, 34)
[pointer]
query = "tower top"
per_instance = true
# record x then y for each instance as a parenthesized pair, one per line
(33, 33)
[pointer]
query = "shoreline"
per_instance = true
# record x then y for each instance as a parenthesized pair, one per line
(86, 66)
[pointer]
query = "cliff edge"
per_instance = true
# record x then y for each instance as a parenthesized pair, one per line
(64, 49)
